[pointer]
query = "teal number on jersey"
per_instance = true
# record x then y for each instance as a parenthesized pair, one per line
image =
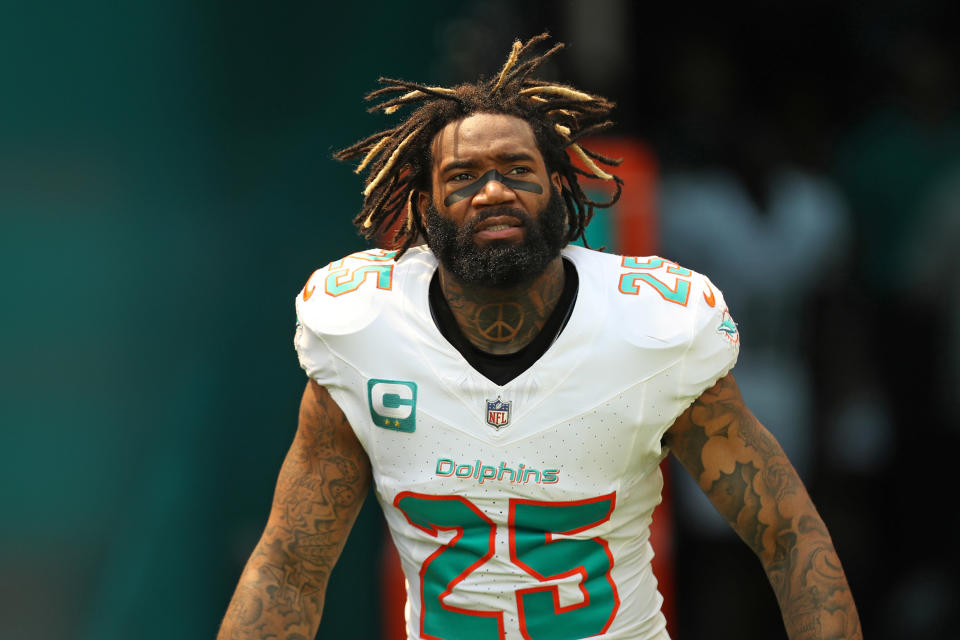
(679, 295)
(533, 549)
(629, 282)
(345, 280)
(470, 547)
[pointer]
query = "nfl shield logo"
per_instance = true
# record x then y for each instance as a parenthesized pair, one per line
(498, 413)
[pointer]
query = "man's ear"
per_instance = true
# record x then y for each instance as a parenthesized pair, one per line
(424, 200)
(557, 183)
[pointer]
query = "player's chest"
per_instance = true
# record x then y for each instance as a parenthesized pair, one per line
(477, 443)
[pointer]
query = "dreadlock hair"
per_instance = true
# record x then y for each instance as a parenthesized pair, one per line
(398, 160)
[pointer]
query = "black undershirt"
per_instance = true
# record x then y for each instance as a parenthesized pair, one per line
(501, 369)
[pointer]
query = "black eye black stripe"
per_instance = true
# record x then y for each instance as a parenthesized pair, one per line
(479, 183)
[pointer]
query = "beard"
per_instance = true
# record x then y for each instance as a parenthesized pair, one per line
(499, 263)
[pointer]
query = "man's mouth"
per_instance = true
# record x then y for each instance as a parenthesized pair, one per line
(497, 222)
(498, 228)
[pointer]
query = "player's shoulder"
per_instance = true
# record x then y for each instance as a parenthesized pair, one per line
(348, 294)
(651, 296)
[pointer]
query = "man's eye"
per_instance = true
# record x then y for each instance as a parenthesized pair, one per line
(519, 171)
(460, 177)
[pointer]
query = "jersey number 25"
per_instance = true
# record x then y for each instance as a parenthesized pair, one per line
(534, 547)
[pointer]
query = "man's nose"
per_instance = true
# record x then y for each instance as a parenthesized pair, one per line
(494, 192)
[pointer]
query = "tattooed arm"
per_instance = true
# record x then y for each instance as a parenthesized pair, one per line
(322, 485)
(750, 481)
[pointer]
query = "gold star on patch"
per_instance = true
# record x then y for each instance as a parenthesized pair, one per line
(386, 423)
(396, 423)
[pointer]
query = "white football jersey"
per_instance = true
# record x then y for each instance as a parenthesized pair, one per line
(522, 510)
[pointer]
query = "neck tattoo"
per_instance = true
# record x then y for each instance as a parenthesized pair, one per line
(503, 321)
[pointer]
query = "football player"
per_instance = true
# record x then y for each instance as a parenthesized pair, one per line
(511, 396)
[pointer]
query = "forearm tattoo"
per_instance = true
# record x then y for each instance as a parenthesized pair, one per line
(750, 481)
(321, 487)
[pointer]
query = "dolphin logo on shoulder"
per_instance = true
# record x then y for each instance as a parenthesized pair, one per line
(728, 328)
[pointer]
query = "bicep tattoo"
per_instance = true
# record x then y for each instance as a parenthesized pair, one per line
(321, 487)
(737, 463)
(750, 481)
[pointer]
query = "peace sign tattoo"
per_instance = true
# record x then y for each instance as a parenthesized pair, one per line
(499, 322)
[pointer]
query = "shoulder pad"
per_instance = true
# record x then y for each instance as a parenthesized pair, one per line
(682, 311)
(661, 299)
(714, 344)
(347, 295)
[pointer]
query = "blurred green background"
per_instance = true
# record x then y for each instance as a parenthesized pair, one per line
(166, 188)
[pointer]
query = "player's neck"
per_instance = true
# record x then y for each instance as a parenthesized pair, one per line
(502, 321)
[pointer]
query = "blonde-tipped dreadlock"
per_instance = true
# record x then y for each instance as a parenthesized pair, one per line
(398, 160)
